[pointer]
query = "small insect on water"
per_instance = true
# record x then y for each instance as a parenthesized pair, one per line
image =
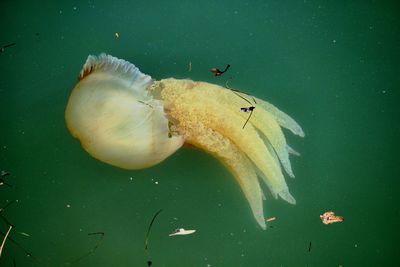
(248, 109)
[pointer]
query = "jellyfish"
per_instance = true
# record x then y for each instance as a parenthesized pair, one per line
(129, 120)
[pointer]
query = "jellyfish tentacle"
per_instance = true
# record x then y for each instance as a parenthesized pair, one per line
(262, 120)
(247, 140)
(254, 147)
(273, 132)
(238, 163)
(292, 151)
(281, 117)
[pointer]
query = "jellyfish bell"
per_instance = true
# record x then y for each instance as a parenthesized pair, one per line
(115, 118)
(124, 118)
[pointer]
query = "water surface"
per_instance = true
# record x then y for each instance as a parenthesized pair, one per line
(333, 67)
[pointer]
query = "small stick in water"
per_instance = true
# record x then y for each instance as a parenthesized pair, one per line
(6, 206)
(3, 48)
(4, 240)
(2, 182)
(146, 241)
(270, 219)
(27, 253)
(244, 109)
(247, 109)
(93, 250)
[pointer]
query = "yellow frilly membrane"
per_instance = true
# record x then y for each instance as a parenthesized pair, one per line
(126, 119)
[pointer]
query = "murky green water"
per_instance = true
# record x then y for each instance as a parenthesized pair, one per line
(333, 67)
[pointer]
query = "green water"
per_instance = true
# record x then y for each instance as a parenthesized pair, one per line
(333, 66)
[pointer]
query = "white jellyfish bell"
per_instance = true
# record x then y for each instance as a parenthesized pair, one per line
(115, 118)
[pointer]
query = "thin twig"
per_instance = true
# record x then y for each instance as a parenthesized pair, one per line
(20, 247)
(3, 48)
(5, 220)
(93, 250)
(6, 206)
(4, 240)
(236, 92)
(146, 241)
(248, 118)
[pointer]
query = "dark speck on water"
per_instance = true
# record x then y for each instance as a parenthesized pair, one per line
(3, 48)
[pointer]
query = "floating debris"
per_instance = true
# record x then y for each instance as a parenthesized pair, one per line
(270, 219)
(2, 182)
(146, 240)
(24, 234)
(3, 48)
(4, 240)
(330, 217)
(227, 83)
(309, 247)
(116, 35)
(244, 109)
(93, 250)
(190, 66)
(182, 231)
(27, 253)
(2, 209)
(218, 73)
(7, 205)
